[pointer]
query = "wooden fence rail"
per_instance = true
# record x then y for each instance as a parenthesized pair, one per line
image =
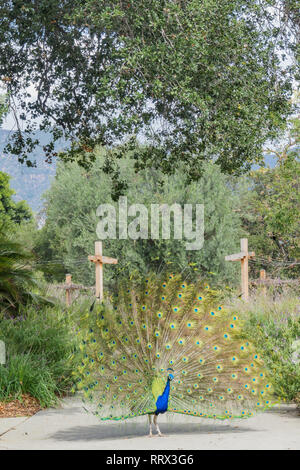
(243, 256)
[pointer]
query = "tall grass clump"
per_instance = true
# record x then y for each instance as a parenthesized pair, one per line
(41, 354)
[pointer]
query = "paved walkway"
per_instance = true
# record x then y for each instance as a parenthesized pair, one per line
(70, 427)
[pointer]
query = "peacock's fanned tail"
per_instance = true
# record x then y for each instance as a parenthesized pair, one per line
(128, 348)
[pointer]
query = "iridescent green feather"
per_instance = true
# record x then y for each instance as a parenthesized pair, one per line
(128, 347)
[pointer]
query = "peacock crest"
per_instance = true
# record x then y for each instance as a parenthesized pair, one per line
(166, 345)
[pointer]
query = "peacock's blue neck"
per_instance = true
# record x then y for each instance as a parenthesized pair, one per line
(162, 401)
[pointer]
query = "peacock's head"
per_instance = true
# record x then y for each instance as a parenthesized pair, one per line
(170, 373)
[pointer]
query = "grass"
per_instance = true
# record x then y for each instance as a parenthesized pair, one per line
(40, 355)
(271, 306)
(272, 322)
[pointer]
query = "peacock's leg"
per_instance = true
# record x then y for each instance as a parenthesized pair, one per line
(156, 425)
(150, 425)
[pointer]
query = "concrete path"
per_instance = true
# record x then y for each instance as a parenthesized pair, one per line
(70, 427)
(8, 424)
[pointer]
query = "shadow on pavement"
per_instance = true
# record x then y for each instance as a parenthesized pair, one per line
(287, 410)
(127, 430)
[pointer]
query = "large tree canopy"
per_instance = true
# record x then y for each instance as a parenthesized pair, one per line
(271, 209)
(196, 79)
(68, 235)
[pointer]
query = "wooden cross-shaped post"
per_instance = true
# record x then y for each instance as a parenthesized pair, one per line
(69, 287)
(99, 261)
(243, 257)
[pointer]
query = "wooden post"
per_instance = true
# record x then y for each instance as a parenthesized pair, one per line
(99, 260)
(244, 269)
(68, 289)
(99, 272)
(262, 277)
(243, 257)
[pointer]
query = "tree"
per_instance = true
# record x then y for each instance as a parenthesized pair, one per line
(11, 212)
(3, 108)
(271, 209)
(196, 79)
(70, 229)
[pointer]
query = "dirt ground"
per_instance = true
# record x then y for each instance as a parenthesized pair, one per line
(25, 406)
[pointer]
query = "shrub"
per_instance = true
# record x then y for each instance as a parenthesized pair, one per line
(274, 326)
(26, 374)
(40, 355)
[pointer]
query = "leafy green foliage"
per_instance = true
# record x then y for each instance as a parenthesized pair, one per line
(16, 277)
(276, 340)
(40, 356)
(3, 108)
(271, 213)
(274, 327)
(70, 229)
(11, 212)
(198, 79)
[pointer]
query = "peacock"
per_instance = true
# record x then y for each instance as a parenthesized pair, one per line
(167, 345)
